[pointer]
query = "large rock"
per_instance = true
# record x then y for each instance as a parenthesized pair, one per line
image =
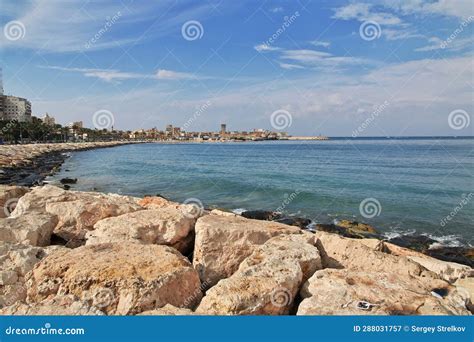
(350, 292)
(164, 226)
(450, 271)
(16, 260)
(341, 252)
(128, 278)
(9, 196)
(156, 202)
(466, 286)
(167, 310)
(57, 306)
(32, 229)
(266, 282)
(77, 212)
(223, 242)
(299, 247)
(351, 229)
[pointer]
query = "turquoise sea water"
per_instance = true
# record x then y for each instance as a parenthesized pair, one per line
(415, 184)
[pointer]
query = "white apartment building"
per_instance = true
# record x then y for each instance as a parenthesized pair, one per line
(15, 108)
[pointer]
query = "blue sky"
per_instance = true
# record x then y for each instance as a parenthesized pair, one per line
(312, 60)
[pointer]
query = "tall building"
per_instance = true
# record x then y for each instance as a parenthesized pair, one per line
(12, 107)
(223, 129)
(48, 120)
(15, 108)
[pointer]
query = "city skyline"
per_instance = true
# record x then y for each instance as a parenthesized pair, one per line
(390, 68)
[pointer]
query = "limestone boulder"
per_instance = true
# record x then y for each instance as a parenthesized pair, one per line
(57, 306)
(220, 212)
(33, 229)
(156, 202)
(341, 252)
(163, 226)
(123, 278)
(450, 271)
(16, 260)
(168, 310)
(350, 292)
(466, 286)
(223, 242)
(9, 196)
(266, 282)
(77, 212)
(299, 247)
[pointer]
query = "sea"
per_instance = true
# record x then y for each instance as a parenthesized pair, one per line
(400, 186)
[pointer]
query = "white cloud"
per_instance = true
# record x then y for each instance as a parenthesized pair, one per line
(320, 59)
(456, 8)
(456, 44)
(397, 34)
(69, 26)
(304, 56)
(291, 66)
(320, 43)
(265, 48)
(112, 75)
(365, 12)
(163, 74)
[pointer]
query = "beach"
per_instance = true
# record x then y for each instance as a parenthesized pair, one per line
(93, 253)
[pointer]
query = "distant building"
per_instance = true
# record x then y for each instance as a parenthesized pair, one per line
(15, 108)
(12, 107)
(76, 125)
(223, 129)
(48, 120)
(169, 130)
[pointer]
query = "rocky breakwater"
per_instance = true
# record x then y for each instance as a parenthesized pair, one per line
(84, 253)
(30, 163)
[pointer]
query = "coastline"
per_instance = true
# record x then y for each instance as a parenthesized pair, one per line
(30, 164)
(223, 263)
(35, 162)
(185, 260)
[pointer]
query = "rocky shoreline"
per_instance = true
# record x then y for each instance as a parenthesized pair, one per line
(87, 253)
(30, 164)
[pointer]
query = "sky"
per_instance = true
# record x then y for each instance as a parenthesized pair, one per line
(336, 68)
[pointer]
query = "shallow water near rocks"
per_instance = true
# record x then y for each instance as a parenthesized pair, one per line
(418, 182)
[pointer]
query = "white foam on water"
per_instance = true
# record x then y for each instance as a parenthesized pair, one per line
(239, 211)
(446, 241)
